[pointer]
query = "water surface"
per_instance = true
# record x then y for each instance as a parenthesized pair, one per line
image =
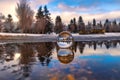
(46, 61)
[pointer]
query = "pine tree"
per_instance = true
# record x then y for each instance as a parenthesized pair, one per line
(114, 22)
(58, 25)
(71, 21)
(81, 25)
(100, 24)
(9, 18)
(40, 13)
(80, 20)
(94, 22)
(106, 25)
(43, 23)
(46, 13)
(74, 21)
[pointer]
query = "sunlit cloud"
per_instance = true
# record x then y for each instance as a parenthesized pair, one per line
(65, 7)
(36, 3)
(66, 16)
(64, 10)
(8, 7)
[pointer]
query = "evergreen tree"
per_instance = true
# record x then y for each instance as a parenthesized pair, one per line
(46, 12)
(80, 20)
(49, 25)
(94, 22)
(100, 24)
(58, 25)
(71, 21)
(9, 18)
(40, 13)
(114, 22)
(106, 21)
(44, 23)
(81, 25)
(75, 24)
(107, 25)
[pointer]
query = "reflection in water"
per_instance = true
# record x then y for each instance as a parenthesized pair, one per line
(35, 60)
(44, 51)
(65, 55)
(81, 46)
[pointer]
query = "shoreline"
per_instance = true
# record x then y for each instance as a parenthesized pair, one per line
(21, 37)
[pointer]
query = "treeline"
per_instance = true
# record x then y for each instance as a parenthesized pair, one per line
(43, 23)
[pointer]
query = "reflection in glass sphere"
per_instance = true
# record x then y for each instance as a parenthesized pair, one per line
(65, 56)
(65, 40)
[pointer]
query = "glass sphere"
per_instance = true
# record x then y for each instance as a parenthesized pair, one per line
(65, 39)
(65, 56)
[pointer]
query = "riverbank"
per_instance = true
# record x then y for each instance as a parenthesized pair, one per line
(20, 37)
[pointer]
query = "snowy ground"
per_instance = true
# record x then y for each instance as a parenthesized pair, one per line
(19, 37)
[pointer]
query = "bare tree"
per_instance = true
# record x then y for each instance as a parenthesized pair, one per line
(25, 15)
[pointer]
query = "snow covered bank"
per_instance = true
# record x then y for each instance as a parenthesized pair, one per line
(19, 37)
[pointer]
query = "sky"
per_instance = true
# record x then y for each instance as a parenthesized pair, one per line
(68, 9)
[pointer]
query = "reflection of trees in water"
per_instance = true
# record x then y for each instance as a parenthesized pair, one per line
(81, 46)
(94, 45)
(27, 53)
(108, 44)
(7, 52)
(44, 51)
(2, 51)
(27, 57)
(74, 47)
(23, 68)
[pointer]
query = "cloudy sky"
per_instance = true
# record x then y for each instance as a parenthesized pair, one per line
(68, 9)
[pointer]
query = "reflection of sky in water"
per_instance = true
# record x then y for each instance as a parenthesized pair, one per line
(93, 64)
(64, 44)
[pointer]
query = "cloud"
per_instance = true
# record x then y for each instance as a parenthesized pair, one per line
(65, 7)
(8, 7)
(37, 3)
(67, 16)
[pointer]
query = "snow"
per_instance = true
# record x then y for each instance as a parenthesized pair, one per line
(21, 37)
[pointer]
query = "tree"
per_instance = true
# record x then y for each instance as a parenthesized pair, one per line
(43, 23)
(2, 17)
(73, 26)
(114, 22)
(94, 22)
(49, 25)
(107, 25)
(25, 15)
(8, 24)
(58, 25)
(40, 13)
(80, 20)
(81, 25)
(114, 26)
(100, 24)
(46, 13)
